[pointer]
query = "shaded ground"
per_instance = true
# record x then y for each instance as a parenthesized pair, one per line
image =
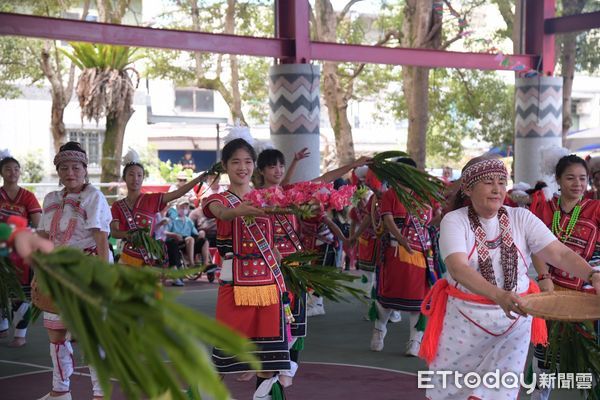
(336, 362)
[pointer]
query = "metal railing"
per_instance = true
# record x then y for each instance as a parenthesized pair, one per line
(40, 190)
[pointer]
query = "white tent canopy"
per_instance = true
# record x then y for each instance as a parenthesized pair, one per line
(584, 140)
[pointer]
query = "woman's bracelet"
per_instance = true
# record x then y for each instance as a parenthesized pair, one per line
(541, 277)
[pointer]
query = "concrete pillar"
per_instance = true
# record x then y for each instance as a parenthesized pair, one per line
(538, 123)
(295, 109)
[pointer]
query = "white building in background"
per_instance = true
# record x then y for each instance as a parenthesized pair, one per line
(175, 119)
(585, 104)
(169, 119)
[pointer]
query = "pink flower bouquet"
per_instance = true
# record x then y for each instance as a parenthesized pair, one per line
(304, 199)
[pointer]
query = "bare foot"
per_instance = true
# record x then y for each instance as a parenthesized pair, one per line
(246, 376)
(4, 333)
(18, 342)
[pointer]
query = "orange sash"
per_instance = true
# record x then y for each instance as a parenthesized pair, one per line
(434, 306)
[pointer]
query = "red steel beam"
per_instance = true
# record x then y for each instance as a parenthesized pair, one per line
(85, 31)
(572, 23)
(536, 40)
(415, 57)
(281, 48)
(292, 22)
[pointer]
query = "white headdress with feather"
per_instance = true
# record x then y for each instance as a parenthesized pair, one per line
(4, 153)
(239, 132)
(550, 156)
(262, 145)
(243, 132)
(522, 186)
(131, 157)
(549, 160)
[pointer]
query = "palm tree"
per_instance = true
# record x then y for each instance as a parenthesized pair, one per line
(105, 89)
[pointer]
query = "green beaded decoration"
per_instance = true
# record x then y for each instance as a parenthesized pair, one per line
(557, 230)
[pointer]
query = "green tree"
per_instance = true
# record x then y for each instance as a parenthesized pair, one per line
(241, 81)
(105, 90)
(32, 60)
(18, 62)
(32, 167)
(340, 81)
(573, 46)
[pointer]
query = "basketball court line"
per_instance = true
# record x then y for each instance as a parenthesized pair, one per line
(360, 366)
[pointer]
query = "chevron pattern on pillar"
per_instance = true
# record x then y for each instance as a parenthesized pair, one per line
(294, 102)
(538, 110)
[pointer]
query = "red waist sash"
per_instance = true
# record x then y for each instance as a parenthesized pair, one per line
(434, 306)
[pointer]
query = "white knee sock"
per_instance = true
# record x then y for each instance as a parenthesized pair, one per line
(62, 365)
(96, 388)
(413, 318)
(540, 393)
(383, 315)
(19, 315)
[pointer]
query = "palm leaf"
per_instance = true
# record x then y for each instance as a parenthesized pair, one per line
(301, 273)
(10, 287)
(140, 238)
(86, 55)
(103, 55)
(414, 188)
(73, 58)
(126, 313)
(574, 349)
(82, 54)
(121, 53)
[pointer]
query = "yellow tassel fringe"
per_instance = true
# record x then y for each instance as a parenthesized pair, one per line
(256, 295)
(131, 261)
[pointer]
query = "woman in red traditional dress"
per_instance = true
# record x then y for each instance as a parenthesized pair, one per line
(271, 167)
(575, 221)
(402, 278)
(252, 291)
(319, 233)
(14, 200)
(368, 233)
(139, 210)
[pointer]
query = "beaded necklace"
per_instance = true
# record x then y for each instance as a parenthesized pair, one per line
(376, 219)
(561, 234)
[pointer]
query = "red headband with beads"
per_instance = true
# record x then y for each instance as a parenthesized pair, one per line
(482, 170)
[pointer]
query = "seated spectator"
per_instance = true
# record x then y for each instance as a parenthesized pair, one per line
(187, 162)
(162, 221)
(181, 232)
(205, 226)
(182, 179)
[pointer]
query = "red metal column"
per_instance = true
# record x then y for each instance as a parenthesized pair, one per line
(536, 40)
(292, 22)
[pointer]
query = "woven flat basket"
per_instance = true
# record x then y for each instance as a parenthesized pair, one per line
(568, 305)
(40, 300)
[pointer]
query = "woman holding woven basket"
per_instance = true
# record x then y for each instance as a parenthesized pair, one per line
(575, 221)
(475, 319)
(76, 216)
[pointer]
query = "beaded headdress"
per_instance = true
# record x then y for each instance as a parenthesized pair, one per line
(70, 155)
(481, 170)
